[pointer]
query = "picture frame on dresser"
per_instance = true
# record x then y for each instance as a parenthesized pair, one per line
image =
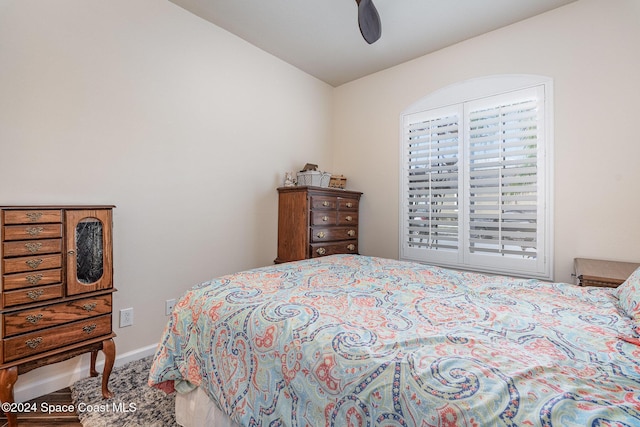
(56, 286)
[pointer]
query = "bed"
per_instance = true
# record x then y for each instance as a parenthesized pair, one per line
(348, 340)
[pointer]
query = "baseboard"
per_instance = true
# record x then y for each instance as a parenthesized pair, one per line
(29, 386)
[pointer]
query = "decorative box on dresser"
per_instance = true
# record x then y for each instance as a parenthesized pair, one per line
(316, 221)
(56, 286)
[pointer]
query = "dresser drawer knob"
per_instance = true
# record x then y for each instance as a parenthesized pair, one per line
(89, 328)
(351, 233)
(33, 247)
(325, 218)
(34, 216)
(321, 235)
(321, 251)
(349, 204)
(34, 295)
(33, 343)
(34, 319)
(34, 231)
(34, 263)
(325, 204)
(33, 279)
(351, 247)
(349, 218)
(89, 306)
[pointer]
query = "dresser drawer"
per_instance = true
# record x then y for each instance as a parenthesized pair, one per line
(37, 342)
(324, 218)
(324, 202)
(329, 234)
(29, 295)
(324, 249)
(44, 262)
(55, 314)
(32, 216)
(347, 204)
(31, 247)
(25, 280)
(34, 231)
(346, 218)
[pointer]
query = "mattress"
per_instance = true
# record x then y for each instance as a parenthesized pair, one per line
(195, 409)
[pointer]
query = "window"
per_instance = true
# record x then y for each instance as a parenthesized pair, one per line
(476, 177)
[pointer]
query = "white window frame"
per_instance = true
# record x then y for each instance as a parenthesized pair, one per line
(458, 99)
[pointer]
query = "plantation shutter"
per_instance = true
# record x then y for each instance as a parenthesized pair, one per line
(433, 153)
(502, 193)
(476, 189)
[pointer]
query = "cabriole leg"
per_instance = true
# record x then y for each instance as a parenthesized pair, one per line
(8, 378)
(92, 368)
(109, 350)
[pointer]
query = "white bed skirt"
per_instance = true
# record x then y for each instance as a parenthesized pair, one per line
(195, 409)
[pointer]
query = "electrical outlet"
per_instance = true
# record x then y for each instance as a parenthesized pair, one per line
(126, 317)
(168, 306)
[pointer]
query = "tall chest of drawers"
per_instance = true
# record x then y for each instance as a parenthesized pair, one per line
(56, 286)
(316, 221)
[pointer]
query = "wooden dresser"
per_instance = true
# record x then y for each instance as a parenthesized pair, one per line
(56, 286)
(316, 221)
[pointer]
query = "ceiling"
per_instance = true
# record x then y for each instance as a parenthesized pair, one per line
(321, 37)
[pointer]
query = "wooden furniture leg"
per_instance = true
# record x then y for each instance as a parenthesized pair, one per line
(92, 367)
(8, 378)
(109, 350)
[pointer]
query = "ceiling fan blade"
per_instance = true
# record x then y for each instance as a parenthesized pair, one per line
(369, 21)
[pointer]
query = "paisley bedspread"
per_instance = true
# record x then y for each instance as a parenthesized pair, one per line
(360, 341)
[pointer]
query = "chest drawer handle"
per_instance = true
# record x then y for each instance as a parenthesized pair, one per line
(34, 319)
(34, 263)
(34, 216)
(349, 218)
(321, 251)
(349, 204)
(33, 279)
(34, 231)
(351, 247)
(325, 218)
(33, 343)
(34, 295)
(325, 203)
(89, 328)
(89, 306)
(321, 235)
(33, 247)
(351, 233)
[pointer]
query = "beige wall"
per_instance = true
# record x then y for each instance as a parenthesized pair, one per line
(186, 128)
(591, 50)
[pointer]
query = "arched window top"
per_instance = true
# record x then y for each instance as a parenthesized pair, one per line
(476, 88)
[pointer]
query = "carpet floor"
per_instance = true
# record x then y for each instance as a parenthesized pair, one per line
(134, 404)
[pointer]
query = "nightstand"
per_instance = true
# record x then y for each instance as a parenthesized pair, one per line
(595, 272)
